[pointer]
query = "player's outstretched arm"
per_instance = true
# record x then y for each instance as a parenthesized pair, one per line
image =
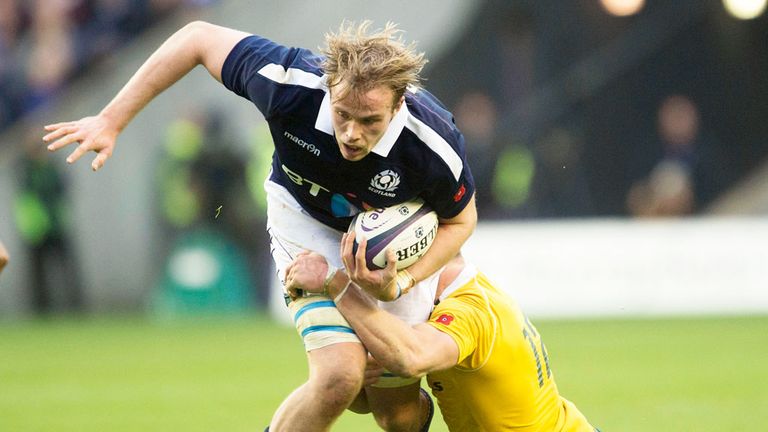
(194, 44)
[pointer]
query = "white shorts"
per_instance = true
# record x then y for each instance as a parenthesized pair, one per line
(293, 230)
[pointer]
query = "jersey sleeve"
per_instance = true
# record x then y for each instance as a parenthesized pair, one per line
(261, 70)
(467, 325)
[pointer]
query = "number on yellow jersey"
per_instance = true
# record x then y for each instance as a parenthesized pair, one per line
(530, 334)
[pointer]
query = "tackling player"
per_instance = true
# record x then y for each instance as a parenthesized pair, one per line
(484, 360)
(352, 130)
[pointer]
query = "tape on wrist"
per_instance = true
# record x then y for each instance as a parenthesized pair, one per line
(328, 278)
(404, 282)
(342, 292)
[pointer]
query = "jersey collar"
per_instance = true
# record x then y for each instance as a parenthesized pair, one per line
(393, 132)
(387, 141)
(323, 121)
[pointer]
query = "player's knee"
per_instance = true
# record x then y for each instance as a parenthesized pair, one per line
(338, 387)
(395, 409)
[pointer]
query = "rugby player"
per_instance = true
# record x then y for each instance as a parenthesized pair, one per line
(352, 130)
(484, 360)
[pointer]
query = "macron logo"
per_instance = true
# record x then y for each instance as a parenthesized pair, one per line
(303, 144)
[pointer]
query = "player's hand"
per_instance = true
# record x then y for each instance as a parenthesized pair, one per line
(381, 284)
(3, 257)
(306, 274)
(95, 134)
(373, 371)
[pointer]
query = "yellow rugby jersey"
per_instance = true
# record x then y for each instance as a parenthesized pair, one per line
(503, 380)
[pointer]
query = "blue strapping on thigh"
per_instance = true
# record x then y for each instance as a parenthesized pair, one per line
(339, 329)
(311, 306)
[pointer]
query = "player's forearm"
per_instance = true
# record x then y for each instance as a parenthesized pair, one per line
(390, 340)
(178, 55)
(451, 235)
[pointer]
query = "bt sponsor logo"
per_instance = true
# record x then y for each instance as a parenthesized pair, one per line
(314, 188)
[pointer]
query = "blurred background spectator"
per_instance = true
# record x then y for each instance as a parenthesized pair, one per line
(575, 90)
(683, 177)
(208, 217)
(46, 43)
(41, 210)
(475, 114)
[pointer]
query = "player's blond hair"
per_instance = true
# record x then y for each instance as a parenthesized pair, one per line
(357, 61)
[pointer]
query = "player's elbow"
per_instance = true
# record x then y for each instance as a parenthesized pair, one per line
(404, 371)
(197, 26)
(196, 33)
(429, 351)
(191, 37)
(406, 365)
(410, 372)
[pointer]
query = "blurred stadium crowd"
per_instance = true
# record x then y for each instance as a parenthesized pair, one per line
(572, 111)
(46, 43)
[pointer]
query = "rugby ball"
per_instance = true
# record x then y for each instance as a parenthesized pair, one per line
(408, 228)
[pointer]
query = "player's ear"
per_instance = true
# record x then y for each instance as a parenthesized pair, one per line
(399, 103)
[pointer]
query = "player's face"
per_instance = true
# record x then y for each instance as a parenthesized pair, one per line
(361, 118)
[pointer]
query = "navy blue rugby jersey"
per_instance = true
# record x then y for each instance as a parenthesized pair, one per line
(420, 155)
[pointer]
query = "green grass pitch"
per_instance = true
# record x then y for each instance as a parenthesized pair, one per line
(229, 374)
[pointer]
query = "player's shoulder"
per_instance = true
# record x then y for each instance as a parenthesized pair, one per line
(462, 315)
(429, 110)
(431, 124)
(275, 53)
(465, 289)
(473, 289)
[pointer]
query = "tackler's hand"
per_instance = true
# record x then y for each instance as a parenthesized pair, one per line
(373, 371)
(309, 273)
